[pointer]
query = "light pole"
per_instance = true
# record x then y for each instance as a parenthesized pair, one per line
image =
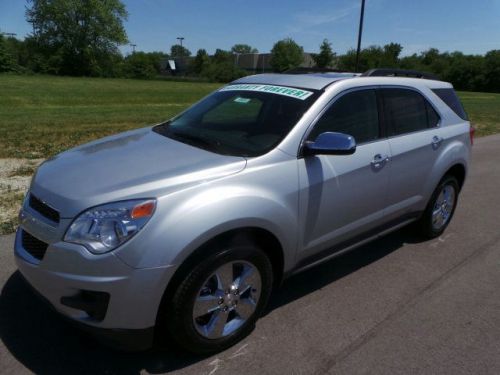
(11, 35)
(133, 47)
(360, 34)
(180, 39)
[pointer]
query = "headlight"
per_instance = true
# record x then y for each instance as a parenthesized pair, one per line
(103, 228)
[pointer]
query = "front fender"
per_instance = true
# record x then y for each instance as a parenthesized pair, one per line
(199, 217)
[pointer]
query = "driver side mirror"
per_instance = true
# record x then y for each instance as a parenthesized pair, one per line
(330, 143)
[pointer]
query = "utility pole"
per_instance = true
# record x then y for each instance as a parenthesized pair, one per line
(133, 47)
(10, 35)
(360, 34)
(180, 39)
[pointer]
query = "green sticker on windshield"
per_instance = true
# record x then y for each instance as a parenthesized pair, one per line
(279, 90)
(241, 100)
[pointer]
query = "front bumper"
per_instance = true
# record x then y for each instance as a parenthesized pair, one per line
(68, 270)
(122, 339)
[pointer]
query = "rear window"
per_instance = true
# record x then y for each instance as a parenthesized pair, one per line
(449, 96)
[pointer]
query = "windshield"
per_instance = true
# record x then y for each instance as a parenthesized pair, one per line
(248, 122)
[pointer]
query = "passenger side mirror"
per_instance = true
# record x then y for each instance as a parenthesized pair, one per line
(330, 143)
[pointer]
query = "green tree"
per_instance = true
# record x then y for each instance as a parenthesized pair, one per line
(143, 65)
(84, 35)
(19, 51)
(221, 57)
(492, 71)
(326, 56)
(222, 67)
(286, 54)
(201, 62)
(34, 58)
(224, 72)
(411, 62)
(372, 57)
(243, 48)
(179, 51)
(7, 61)
(465, 71)
(347, 62)
(390, 55)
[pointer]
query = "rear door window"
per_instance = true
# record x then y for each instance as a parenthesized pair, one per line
(407, 111)
(432, 116)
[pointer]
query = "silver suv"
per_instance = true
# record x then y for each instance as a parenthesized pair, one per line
(182, 230)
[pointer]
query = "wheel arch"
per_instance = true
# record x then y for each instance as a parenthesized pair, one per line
(263, 238)
(258, 236)
(459, 172)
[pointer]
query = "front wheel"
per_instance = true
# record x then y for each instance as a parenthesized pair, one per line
(440, 208)
(220, 299)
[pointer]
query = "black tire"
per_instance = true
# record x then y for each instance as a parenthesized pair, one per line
(425, 224)
(178, 319)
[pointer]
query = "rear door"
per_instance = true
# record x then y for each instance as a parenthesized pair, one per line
(342, 196)
(415, 140)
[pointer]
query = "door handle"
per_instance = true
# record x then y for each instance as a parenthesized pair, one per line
(436, 141)
(379, 160)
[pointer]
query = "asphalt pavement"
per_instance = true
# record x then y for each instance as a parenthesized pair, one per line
(399, 305)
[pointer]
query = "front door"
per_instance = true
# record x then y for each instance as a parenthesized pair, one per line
(343, 196)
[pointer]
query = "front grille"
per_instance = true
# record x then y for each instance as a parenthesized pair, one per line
(43, 209)
(33, 245)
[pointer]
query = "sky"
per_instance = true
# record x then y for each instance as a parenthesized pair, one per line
(472, 27)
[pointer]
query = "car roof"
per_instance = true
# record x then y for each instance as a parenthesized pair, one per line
(313, 81)
(319, 81)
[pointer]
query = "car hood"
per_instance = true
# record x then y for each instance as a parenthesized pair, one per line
(135, 164)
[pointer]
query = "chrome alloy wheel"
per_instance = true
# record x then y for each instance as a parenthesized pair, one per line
(443, 207)
(227, 299)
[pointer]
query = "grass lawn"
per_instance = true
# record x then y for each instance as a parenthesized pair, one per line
(484, 111)
(41, 115)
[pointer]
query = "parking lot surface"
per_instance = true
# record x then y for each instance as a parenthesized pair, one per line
(399, 305)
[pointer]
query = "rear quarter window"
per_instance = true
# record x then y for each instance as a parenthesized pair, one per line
(449, 96)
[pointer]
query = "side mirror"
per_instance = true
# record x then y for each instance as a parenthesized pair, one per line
(330, 143)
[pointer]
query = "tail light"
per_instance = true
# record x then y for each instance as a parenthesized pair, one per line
(472, 130)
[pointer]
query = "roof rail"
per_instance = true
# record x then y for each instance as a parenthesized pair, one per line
(399, 73)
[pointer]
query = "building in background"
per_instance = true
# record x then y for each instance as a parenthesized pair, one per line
(252, 63)
(175, 66)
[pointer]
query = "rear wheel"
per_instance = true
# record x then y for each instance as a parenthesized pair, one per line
(219, 300)
(440, 208)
